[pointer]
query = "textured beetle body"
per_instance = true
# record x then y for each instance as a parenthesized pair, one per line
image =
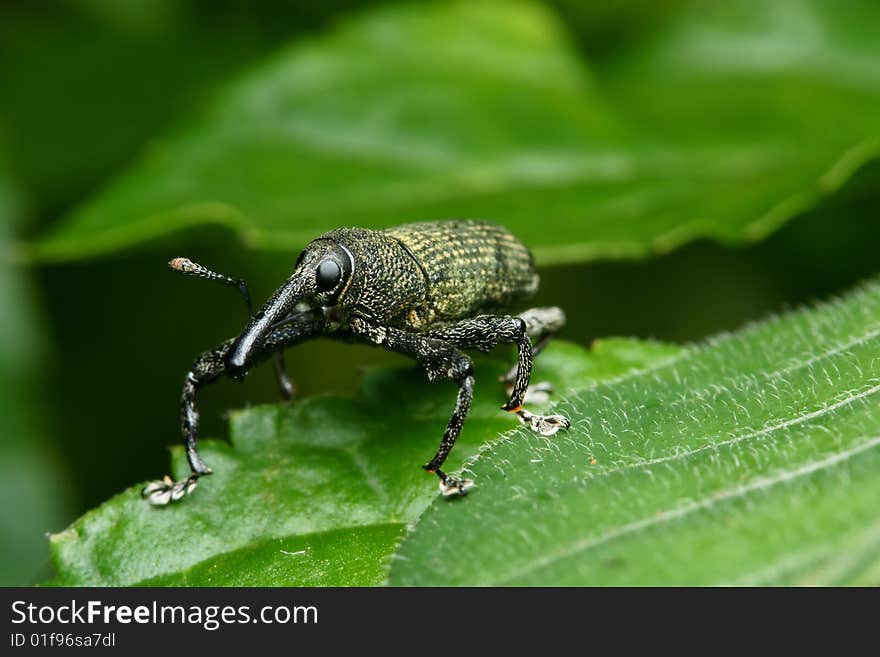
(470, 267)
(425, 290)
(419, 275)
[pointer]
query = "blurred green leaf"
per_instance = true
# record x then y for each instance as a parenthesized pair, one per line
(724, 121)
(602, 27)
(36, 501)
(121, 71)
(318, 493)
(752, 459)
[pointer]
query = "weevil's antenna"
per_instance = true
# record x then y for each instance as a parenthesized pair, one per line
(190, 268)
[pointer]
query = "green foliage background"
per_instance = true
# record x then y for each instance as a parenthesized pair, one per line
(680, 168)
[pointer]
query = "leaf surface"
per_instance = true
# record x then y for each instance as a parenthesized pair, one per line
(752, 459)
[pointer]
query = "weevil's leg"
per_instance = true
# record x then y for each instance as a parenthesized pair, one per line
(441, 360)
(486, 331)
(541, 325)
(207, 368)
(285, 385)
(461, 370)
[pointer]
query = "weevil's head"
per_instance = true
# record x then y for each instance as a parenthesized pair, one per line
(321, 276)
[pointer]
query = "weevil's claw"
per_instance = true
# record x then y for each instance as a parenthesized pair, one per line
(162, 493)
(546, 425)
(451, 486)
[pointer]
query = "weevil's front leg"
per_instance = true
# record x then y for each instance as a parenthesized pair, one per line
(207, 368)
(441, 361)
(486, 331)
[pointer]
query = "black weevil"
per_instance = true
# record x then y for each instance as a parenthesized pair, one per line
(423, 290)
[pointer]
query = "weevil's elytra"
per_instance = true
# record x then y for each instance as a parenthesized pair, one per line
(426, 290)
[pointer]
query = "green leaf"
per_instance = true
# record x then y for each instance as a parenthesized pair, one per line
(752, 459)
(351, 556)
(724, 122)
(316, 493)
(27, 465)
(121, 71)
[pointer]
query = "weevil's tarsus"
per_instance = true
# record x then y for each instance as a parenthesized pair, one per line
(546, 425)
(450, 487)
(165, 491)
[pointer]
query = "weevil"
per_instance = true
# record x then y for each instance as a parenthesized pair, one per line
(426, 290)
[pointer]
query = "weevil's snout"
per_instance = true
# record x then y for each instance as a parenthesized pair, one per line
(248, 345)
(236, 364)
(321, 277)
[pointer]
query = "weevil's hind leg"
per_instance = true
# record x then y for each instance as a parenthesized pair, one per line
(543, 321)
(541, 325)
(285, 385)
(486, 331)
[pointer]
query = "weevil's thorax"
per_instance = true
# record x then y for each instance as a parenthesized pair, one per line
(386, 287)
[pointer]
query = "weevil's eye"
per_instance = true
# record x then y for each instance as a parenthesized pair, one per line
(327, 275)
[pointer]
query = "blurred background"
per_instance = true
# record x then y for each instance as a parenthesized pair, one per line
(93, 351)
